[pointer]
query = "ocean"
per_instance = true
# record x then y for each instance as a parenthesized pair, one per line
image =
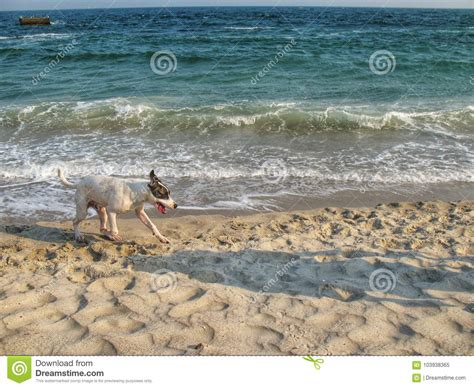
(238, 109)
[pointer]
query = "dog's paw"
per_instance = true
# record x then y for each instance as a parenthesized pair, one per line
(113, 236)
(79, 238)
(164, 240)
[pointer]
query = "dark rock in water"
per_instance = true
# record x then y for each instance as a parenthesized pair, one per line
(35, 21)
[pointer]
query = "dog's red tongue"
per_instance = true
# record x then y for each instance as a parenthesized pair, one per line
(159, 207)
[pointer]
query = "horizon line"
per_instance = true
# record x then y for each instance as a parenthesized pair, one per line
(233, 6)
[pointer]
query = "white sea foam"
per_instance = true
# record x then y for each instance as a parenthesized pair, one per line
(47, 35)
(245, 28)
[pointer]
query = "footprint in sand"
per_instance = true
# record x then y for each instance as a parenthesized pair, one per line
(116, 325)
(97, 310)
(182, 294)
(207, 276)
(343, 294)
(47, 314)
(192, 339)
(260, 337)
(204, 303)
(90, 346)
(25, 301)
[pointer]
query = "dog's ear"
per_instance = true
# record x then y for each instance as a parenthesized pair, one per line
(152, 175)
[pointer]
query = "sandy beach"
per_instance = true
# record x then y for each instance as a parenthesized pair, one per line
(292, 283)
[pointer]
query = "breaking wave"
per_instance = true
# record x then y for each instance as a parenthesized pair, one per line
(125, 114)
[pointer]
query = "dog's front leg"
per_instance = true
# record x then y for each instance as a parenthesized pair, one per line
(143, 217)
(113, 234)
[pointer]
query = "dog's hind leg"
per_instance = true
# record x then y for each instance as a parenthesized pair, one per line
(103, 218)
(81, 214)
(113, 234)
(101, 212)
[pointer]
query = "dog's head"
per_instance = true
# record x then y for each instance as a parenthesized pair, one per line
(161, 194)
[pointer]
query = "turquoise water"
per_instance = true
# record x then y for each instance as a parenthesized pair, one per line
(263, 106)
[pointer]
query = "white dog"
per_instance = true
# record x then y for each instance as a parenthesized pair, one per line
(109, 196)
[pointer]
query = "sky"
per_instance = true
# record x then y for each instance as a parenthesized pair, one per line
(7, 5)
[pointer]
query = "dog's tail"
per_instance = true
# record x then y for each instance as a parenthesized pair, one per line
(63, 179)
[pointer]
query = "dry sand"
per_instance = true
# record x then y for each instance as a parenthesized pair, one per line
(273, 284)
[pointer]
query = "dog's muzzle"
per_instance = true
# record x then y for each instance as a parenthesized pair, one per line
(162, 208)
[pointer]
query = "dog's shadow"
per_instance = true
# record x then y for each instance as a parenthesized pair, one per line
(365, 275)
(50, 234)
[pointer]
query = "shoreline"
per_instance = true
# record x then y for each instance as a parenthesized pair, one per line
(286, 283)
(343, 198)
